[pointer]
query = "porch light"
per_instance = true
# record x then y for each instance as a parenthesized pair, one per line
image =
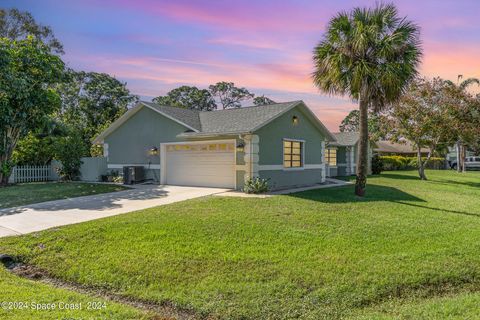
(295, 120)
(240, 146)
(153, 151)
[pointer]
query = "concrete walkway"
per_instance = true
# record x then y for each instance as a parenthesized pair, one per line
(330, 183)
(45, 215)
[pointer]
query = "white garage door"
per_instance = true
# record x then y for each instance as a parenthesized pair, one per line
(203, 165)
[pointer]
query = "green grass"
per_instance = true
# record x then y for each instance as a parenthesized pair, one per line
(29, 295)
(28, 193)
(410, 249)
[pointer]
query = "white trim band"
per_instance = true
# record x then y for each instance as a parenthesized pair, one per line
(146, 165)
(268, 167)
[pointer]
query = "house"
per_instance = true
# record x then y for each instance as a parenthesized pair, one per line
(405, 148)
(282, 142)
(341, 155)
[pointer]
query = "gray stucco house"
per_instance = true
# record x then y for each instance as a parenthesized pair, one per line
(283, 142)
(341, 155)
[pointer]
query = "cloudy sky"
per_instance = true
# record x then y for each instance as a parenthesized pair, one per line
(265, 46)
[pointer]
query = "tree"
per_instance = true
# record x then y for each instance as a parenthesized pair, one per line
(351, 123)
(91, 102)
(188, 98)
(17, 25)
(369, 55)
(38, 146)
(29, 71)
(228, 95)
(262, 101)
(461, 144)
(69, 151)
(423, 116)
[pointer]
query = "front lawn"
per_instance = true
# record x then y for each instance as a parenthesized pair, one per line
(409, 249)
(24, 299)
(28, 193)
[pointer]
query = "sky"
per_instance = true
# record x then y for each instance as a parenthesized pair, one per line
(266, 46)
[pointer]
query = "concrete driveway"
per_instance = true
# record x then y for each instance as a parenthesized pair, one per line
(45, 215)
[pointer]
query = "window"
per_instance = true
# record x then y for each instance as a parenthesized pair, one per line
(292, 154)
(331, 156)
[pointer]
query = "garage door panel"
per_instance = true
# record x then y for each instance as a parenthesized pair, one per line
(210, 167)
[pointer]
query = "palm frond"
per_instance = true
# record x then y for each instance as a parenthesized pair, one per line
(468, 82)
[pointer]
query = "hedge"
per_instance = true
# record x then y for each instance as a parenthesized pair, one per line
(404, 163)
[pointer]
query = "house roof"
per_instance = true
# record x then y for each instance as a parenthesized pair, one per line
(211, 123)
(386, 146)
(185, 116)
(345, 139)
(242, 120)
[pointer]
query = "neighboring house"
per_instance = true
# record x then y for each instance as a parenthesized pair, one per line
(282, 142)
(341, 155)
(388, 148)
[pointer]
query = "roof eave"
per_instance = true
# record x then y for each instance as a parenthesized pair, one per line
(210, 134)
(170, 117)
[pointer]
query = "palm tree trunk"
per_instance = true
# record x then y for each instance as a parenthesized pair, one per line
(362, 163)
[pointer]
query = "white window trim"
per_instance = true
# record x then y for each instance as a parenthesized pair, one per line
(303, 155)
(327, 156)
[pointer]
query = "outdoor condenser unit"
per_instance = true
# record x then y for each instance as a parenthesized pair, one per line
(133, 174)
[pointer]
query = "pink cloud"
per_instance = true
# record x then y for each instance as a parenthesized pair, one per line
(246, 42)
(266, 16)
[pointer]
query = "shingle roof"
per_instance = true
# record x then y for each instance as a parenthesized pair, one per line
(242, 119)
(345, 138)
(392, 147)
(187, 116)
(239, 120)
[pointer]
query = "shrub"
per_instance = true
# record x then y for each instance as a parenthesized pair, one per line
(69, 150)
(404, 163)
(256, 185)
(394, 162)
(433, 163)
(377, 164)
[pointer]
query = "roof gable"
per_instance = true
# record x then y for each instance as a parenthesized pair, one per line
(345, 139)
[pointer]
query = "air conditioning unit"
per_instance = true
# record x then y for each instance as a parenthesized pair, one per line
(133, 174)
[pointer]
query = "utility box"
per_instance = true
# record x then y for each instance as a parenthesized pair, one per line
(133, 174)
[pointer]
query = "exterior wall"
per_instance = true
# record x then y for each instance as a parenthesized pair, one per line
(333, 172)
(340, 169)
(280, 179)
(129, 144)
(347, 158)
(92, 168)
(270, 151)
(341, 156)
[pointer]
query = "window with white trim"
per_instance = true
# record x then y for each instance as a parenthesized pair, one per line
(331, 156)
(292, 154)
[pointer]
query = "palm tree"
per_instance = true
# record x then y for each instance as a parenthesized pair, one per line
(461, 148)
(369, 55)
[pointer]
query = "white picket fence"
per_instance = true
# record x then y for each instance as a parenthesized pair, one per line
(90, 170)
(21, 174)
